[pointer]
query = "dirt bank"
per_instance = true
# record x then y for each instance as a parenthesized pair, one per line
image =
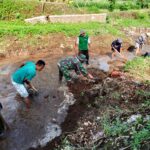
(115, 97)
(55, 44)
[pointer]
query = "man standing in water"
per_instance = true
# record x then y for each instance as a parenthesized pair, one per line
(83, 44)
(23, 76)
(73, 63)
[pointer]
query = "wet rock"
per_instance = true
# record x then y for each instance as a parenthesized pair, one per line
(98, 135)
(134, 118)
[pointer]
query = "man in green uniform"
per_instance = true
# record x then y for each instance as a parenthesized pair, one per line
(82, 44)
(23, 76)
(72, 63)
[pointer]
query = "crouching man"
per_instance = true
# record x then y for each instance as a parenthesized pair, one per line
(23, 76)
(73, 63)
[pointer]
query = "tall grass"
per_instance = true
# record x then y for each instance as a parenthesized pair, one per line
(105, 4)
(14, 9)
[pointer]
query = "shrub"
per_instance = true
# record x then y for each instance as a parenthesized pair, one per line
(112, 5)
(125, 7)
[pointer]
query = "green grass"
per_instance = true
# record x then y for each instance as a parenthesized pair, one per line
(20, 9)
(139, 68)
(137, 134)
(17, 9)
(105, 4)
(22, 29)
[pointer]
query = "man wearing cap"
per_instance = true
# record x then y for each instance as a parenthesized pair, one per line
(116, 47)
(82, 44)
(72, 63)
(140, 41)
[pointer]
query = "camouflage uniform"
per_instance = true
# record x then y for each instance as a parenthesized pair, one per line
(70, 63)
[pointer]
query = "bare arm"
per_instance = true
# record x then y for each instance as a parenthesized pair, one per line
(30, 85)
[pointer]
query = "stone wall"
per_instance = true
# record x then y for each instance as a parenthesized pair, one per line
(68, 18)
(136, 30)
(79, 18)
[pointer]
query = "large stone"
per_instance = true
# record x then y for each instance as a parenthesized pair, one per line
(39, 19)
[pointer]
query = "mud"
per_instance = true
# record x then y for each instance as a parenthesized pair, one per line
(36, 127)
(83, 121)
(76, 111)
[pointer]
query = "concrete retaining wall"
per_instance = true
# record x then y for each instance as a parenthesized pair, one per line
(79, 18)
(68, 18)
(136, 30)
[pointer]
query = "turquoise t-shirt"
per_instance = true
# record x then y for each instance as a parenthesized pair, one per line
(28, 71)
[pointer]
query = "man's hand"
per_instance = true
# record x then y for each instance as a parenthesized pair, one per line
(32, 87)
(90, 76)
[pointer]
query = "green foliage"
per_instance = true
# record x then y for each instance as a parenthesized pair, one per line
(142, 16)
(138, 131)
(142, 93)
(22, 29)
(11, 9)
(111, 5)
(66, 145)
(140, 136)
(139, 67)
(115, 128)
(143, 3)
(124, 7)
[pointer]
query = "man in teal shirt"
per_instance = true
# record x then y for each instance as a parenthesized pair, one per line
(83, 44)
(24, 75)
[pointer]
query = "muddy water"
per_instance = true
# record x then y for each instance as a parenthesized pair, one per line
(105, 62)
(36, 127)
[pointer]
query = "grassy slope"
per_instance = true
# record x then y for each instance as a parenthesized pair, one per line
(139, 68)
(22, 29)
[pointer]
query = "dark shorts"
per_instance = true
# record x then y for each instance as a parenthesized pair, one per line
(116, 49)
(86, 53)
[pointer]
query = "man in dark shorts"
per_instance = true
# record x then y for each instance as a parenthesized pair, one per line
(83, 45)
(116, 48)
